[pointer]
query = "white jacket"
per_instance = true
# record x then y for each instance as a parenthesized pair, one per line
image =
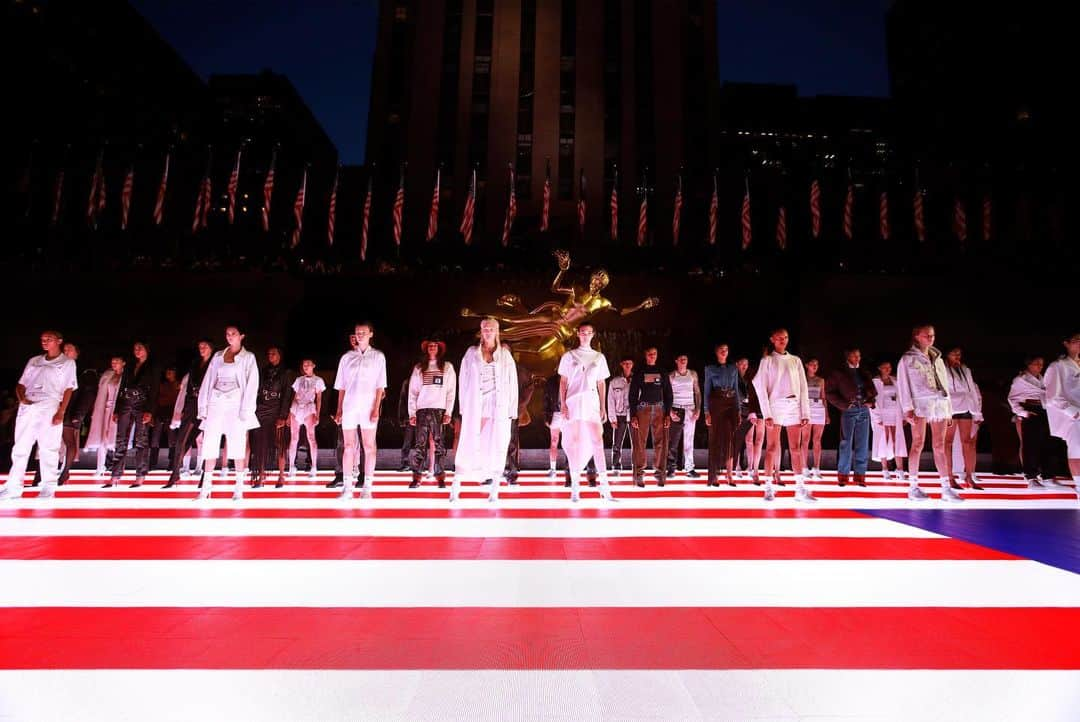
(915, 377)
(247, 376)
(1062, 396)
(1026, 387)
(964, 392)
(765, 382)
(471, 454)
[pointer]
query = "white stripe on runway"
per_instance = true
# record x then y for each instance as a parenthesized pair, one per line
(537, 583)
(592, 528)
(570, 696)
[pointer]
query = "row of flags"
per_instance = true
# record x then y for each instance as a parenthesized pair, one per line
(97, 202)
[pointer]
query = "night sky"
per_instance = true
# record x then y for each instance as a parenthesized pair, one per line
(326, 47)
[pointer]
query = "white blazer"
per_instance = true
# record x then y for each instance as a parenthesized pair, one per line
(248, 377)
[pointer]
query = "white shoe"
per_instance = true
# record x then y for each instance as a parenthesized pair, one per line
(575, 497)
(948, 494)
(7, 493)
(605, 494)
(1034, 484)
(885, 475)
(313, 474)
(916, 494)
(453, 496)
(803, 494)
(47, 491)
(769, 493)
(365, 491)
(238, 494)
(99, 474)
(204, 492)
(292, 473)
(552, 473)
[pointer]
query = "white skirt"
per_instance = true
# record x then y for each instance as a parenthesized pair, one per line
(817, 413)
(933, 408)
(785, 412)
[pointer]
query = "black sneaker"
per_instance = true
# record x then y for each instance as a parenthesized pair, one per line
(335, 483)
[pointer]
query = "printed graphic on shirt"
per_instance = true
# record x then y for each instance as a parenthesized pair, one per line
(653, 378)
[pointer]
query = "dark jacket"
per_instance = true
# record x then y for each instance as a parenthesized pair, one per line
(82, 400)
(275, 392)
(840, 389)
(657, 389)
(139, 388)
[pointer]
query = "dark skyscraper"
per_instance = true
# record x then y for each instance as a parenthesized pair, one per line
(580, 84)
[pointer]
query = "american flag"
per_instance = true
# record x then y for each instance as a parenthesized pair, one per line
(676, 214)
(643, 213)
(58, 197)
(615, 206)
(469, 211)
(960, 220)
(332, 214)
(815, 209)
(781, 229)
(298, 211)
(849, 211)
(581, 204)
(234, 182)
(511, 210)
(687, 602)
(883, 215)
(96, 203)
(747, 227)
(367, 215)
(202, 198)
(714, 211)
(268, 191)
(125, 197)
(159, 202)
(433, 214)
(987, 217)
(545, 211)
(399, 206)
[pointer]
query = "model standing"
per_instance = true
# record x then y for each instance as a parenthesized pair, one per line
(618, 413)
(432, 390)
(305, 411)
(361, 385)
(819, 417)
(272, 414)
(650, 401)
(1027, 399)
(887, 423)
(488, 398)
(724, 398)
(780, 383)
(583, 373)
(227, 401)
(185, 417)
(43, 393)
(685, 410)
(923, 393)
(851, 391)
(1063, 403)
(134, 413)
(967, 416)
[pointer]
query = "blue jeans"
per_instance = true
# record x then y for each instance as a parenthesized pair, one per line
(854, 437)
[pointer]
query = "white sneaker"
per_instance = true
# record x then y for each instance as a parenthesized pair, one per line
(47, 491)
(575, 497)
(552, 473)
(1034, 484)
(7, 493)
(292, 473)
(948, 494)
(365, 491)
(313, 474)
(238, 494)
(769, 494)
(204, 492)
(453, 496)
(605, 494)
(885, 475)
(803, 494)
(916, 494)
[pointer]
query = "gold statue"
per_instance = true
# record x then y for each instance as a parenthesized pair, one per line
(542, 332)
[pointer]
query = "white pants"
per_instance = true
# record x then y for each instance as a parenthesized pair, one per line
(584, 440)
(688, 443)
(491, 448)
(223, 419)
(33, 424)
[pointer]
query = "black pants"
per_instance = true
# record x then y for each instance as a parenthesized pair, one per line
(429, 425)
(267, 443)
(408, 441)
(619, 435)
(1034, 435)
(158, 433)
(740, 453)
(185, 439)
(675, 441)
(129, 416)
(724, 418)
(339, 456)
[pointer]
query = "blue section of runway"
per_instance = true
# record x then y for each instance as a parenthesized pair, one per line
(1050, 536)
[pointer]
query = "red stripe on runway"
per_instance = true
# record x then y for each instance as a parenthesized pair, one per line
(445, 513)
(516, 548)
(508, 493)
(551, 638)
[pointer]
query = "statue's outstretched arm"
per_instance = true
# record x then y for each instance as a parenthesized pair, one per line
(651, 302)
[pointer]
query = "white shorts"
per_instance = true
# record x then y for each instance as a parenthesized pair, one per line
(817, 414)
(785, 412)
(557, 421)
(224, 421)
(359, 414)
(933, 408)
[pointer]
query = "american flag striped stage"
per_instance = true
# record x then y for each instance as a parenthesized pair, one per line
(676, 603)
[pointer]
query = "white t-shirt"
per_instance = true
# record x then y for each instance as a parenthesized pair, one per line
(47, 380)
(360, 374)
(682, 390)
(583, 370)
(304, 389)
